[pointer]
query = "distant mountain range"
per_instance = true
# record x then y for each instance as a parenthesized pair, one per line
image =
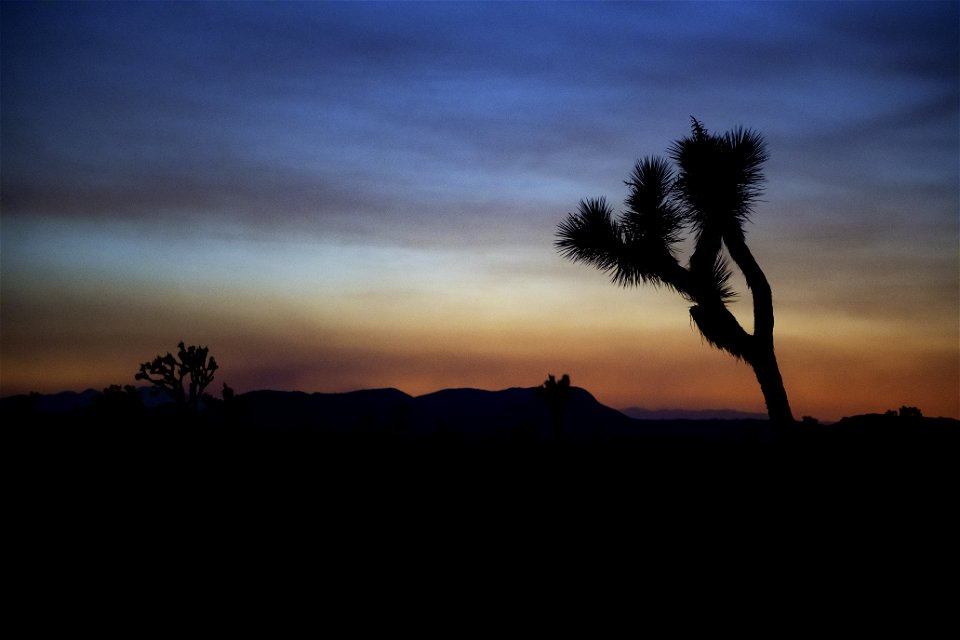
(471, 414)
(450, 413)
(453, 399)
(455, 415)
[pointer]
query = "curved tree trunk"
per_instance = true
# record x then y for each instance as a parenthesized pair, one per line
(771, 384)
(761, 357)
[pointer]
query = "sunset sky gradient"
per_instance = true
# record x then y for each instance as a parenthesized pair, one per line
(335, 196)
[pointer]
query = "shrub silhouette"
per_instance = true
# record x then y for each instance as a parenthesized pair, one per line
(555, 394)
(169, 374)
(905, 412)
(718, 178)
(118, 402)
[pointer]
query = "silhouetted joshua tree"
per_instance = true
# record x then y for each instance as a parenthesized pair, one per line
(169, 374)
(712, 191)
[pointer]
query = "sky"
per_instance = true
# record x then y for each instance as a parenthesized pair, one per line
(336, 196)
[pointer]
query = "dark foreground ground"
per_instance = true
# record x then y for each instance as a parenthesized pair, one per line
(516, 445)
(476, 503)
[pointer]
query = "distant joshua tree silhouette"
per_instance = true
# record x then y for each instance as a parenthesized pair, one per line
(718, 179)
(169, 373)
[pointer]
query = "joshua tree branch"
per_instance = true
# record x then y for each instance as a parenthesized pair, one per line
(758, 284)
(169, 373)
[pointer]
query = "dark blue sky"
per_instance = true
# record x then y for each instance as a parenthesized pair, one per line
(292, 153)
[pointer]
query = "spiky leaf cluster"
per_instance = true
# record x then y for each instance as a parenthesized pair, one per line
(712, 190)
(719, 177)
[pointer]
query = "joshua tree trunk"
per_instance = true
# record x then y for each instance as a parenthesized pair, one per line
(771, 384)
(761, 355)
(721, 329)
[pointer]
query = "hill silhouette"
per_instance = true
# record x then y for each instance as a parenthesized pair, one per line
(377, 458)
(449, 417)
(467, 414)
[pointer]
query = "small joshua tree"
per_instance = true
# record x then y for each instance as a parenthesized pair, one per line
(711, 192)
(191, 366)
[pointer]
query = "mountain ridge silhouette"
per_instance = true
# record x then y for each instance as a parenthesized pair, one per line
(470, 414)
(68, 400)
